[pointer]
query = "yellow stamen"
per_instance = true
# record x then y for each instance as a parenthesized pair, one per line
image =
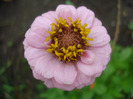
(60, 30)
(47, 38)
(75, 30)
(58, 54)
(78, 45)
(50, 50)
(80, 50)
(74, 53)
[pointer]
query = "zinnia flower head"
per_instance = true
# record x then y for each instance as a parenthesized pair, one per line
(67, 48)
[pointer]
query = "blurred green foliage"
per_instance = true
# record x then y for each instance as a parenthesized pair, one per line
(130, 26)
(115, 82)
(69, 2)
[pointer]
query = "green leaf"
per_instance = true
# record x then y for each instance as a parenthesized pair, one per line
(4, 68)
(130, 26)
(116, 79)
(131, 90)
(125, 86)
(8, 88)
(100, 88)
(107, 96)
(52, 94)
(21, 87)
(125, 54)
(108, 72)
(88, 95)
(69, 2)
(118, 94)
(40, 86)
(132, 35)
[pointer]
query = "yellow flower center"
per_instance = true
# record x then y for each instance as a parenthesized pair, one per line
(68, 41)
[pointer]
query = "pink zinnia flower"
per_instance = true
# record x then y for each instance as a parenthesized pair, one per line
(67, 48)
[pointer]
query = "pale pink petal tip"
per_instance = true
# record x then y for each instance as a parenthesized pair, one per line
(65, 74)
(58, 74)
(66, 11)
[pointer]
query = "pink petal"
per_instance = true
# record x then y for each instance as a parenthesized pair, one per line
(40, 31)
(37, 76)
(96, 22)
(51, 15)
(99, 35)
(86, 16)
(102, 53)
(36, 41)
(41, 21)
(25, 44)
(98, 74)
(66, 11)
(45, 65)
(42, 24)
(37, 31)
(32, 55)
(63, 86)
(83, 79)
(65, 74)
(27, 32)
(49, 83)
(92, 79)
(90, 69)
(39, 27)
(87, 57)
